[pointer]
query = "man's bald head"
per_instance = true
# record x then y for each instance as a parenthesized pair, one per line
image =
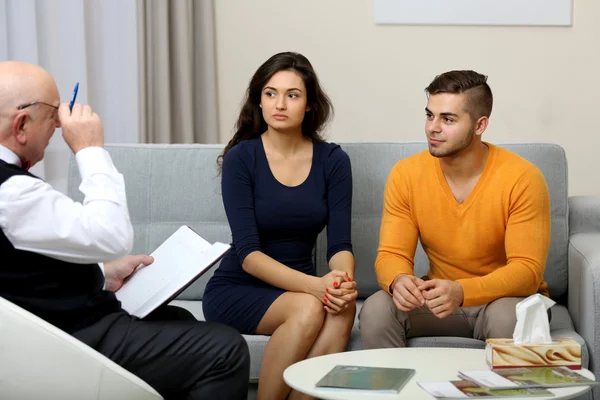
(22, 83)
(27, 132)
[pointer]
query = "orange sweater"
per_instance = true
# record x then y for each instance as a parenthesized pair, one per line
(494, 244)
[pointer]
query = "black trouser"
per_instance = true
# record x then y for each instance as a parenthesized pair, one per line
(174, 353)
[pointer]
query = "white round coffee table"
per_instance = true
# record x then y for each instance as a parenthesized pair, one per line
(430, 363)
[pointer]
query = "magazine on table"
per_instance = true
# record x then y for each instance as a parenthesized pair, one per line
(451, 390)
(371, 379)
(509, 378)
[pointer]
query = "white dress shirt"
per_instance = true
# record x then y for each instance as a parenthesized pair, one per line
(35, 217)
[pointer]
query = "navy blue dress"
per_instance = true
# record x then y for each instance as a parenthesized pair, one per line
(281, 221)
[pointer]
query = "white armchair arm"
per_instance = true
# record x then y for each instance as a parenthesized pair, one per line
(40, 361)
(584, 275)
(584, 214)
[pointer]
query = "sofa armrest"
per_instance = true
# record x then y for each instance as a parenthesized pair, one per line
(584, 293)
(584, 214)
(40, 361)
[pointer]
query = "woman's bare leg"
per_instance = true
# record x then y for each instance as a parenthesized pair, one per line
(294, 321)
(333, 338)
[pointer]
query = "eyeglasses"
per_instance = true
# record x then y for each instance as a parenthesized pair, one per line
(24, 106)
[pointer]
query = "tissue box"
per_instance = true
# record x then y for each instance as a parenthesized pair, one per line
(504, 353)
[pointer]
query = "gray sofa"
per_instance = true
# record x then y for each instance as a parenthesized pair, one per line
(171, 185)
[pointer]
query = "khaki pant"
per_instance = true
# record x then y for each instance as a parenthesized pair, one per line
(382, 325)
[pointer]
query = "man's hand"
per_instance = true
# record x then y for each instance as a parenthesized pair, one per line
(81, 127)
(117, 271)
(442, 296)
(405, 292)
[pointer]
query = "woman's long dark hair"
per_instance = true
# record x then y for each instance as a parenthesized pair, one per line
(251, 124)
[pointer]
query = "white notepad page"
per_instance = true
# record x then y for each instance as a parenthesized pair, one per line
(180, 259)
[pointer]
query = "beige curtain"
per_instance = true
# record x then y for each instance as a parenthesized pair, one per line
(178, 96)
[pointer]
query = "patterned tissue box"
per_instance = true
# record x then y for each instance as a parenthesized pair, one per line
(504, 353)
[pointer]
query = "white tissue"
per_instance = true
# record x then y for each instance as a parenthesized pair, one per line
(532, 320)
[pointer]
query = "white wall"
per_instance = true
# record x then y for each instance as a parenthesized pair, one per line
(545, 80)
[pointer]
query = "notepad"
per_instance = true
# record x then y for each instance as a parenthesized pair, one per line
(178, 262)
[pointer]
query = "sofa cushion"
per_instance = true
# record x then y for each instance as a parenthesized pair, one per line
(561, 326)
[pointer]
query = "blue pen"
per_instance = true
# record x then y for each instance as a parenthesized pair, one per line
(74, 96)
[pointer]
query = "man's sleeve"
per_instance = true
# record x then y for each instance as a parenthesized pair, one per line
(35, 217)
(399, 234)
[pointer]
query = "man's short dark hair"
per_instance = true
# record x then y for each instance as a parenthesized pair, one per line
(472, 84)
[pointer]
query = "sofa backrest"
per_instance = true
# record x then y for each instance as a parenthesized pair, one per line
(371, 165)
(168, 186)
(172, 185)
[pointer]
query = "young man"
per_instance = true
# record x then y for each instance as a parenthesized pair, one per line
(51, 249)
(482, 214)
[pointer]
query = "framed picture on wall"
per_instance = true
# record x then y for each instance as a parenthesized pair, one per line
(475, 12)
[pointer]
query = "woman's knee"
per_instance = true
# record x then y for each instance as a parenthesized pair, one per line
(309, 312)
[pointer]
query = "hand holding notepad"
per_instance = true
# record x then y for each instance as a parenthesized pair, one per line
(178, 262)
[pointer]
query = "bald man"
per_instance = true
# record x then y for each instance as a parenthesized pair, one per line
(64, 260)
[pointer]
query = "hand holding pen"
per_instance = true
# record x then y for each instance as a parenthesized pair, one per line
(81, 126)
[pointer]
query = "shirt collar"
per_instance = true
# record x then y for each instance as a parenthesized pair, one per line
(8, 156)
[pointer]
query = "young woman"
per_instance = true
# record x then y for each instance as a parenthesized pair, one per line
(282, 184)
